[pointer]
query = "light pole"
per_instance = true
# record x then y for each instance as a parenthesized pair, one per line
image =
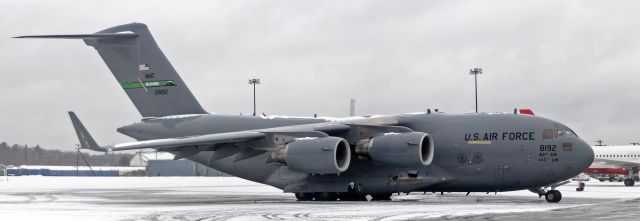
(475, 72)
(254, 81)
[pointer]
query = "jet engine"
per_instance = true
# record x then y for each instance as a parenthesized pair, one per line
(323, 155)
(399, 149)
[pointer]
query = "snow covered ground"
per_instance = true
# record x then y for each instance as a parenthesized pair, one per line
(229, 198)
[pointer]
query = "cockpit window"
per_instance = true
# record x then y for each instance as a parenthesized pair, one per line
(555, 133)
(570, 132)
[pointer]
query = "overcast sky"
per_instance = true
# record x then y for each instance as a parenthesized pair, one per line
(576, 62)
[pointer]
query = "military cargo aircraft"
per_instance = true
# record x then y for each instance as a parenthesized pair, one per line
(345, 159)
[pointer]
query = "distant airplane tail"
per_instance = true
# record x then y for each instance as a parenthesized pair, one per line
(134, 58)
(86, 141)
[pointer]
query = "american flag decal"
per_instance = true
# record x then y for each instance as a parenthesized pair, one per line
(567, 147)
(143, 67)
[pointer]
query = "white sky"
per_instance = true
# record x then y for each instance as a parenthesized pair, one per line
(572, 61)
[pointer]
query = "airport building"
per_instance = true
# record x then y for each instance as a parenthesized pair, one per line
(162, 164)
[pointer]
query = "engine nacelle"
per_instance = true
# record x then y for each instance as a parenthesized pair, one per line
(399, 149)
(323, 155)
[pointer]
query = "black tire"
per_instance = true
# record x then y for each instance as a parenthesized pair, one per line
(553, 196)
(381, 196)
(629, 182)
(327, 196)
(304, 196)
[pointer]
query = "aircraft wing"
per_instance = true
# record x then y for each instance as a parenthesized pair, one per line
(169, 144)
(261, 140)
(616, 163)
(202, 140)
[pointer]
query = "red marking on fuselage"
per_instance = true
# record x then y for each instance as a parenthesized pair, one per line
(621, 171)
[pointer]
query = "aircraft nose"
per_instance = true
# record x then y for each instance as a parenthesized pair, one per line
(584, 154)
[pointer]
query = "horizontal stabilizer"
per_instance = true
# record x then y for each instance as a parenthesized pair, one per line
(87, 36)
(86, 141)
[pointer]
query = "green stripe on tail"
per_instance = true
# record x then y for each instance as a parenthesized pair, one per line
(160, 83)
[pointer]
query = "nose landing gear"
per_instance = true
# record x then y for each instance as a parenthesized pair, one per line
(553, 195)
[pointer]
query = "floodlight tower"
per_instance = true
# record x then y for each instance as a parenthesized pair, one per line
(254, 81)
(352, 108)
(475, 72)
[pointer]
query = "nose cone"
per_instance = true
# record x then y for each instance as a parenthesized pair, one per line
(584, 154)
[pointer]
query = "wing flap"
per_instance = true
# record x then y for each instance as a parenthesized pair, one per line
(201, 140)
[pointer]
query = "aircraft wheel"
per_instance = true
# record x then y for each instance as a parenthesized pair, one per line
(553, 196)
(381, 196)
(326, 196)
(304, 196)
(629, 182)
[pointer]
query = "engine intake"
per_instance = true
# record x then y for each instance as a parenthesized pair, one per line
(316, 155)
(399, 149)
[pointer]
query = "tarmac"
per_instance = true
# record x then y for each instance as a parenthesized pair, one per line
(229, 198)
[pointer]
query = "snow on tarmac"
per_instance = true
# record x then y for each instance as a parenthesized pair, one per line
(230, 198)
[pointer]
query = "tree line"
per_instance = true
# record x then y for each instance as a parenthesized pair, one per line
(36, 155)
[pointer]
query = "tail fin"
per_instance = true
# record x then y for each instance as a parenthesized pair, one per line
(86, 141)
(134, 58)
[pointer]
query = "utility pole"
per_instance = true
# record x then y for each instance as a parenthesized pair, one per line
(352, 108)
(254, 81)
(25, 154)
(475, 72)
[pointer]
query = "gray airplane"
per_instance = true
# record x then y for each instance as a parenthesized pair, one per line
(323, 159)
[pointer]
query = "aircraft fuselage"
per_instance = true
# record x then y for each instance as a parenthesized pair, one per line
(473, 153)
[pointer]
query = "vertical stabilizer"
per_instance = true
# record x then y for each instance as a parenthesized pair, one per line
(142, 70)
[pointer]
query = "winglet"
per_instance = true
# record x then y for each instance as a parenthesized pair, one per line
(86, 141)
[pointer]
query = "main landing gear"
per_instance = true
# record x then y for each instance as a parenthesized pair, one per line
(381, 197)
(633, 173)
(552, 195)
(347, 196)
(629, 182)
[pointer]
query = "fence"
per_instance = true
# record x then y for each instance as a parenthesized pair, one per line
(49, 172)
